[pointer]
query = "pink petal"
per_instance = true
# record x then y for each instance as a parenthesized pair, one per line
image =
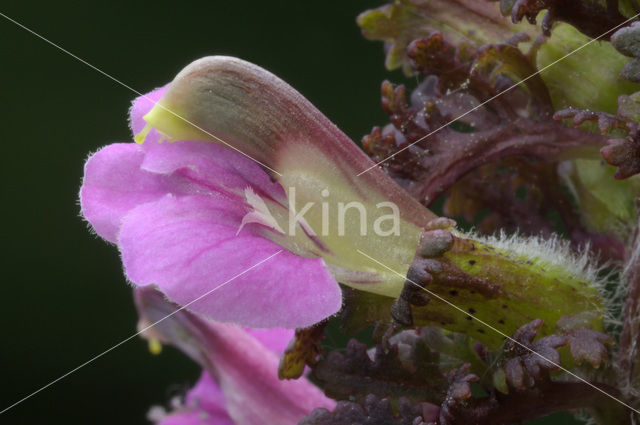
(247, 373)
(204, 404)
(188, 246)
(276, 339)
(245, 370)
(212, 166)
(114, 184)
(122, 176)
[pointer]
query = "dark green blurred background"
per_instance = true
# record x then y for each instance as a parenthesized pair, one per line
(64, 296)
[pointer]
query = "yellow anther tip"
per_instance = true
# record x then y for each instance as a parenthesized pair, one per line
(155, 347)
(140, 137)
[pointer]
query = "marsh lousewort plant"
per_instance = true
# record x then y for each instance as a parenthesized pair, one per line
(242, 206)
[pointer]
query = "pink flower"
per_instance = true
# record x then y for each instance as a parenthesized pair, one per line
(190, 215)
(174, 210)
(240, 384)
